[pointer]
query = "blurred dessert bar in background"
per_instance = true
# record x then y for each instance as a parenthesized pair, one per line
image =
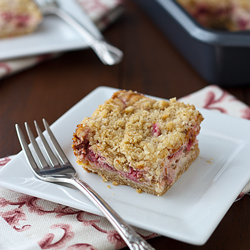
(232, 15)
(18, 17)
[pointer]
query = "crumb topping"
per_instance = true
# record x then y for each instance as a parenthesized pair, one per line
(131, 130)
(139, 191)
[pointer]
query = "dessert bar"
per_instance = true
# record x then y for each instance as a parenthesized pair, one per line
(18, 17)
(233, 15)
(138, 141)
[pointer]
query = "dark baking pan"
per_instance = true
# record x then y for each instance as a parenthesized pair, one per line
(220, 57)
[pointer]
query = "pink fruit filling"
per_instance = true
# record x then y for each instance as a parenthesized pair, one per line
(20, 20)
(156, 130)
(205, 14)
(243, 23)
(202, 10)
(86, 154)
(205, 10)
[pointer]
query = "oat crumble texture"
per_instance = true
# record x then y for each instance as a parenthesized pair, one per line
(138, 141)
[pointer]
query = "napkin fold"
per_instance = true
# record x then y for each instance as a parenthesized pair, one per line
(219, 100)
(33, 223)
(101, 12)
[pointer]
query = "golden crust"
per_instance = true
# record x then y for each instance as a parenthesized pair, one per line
(12, 16)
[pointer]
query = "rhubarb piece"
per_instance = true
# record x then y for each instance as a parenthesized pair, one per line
(138, 141)
(18, 17)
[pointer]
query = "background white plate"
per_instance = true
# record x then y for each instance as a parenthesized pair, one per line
(189, 211)
(52, 35)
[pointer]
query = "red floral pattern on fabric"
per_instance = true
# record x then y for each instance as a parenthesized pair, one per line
(81, 247)
(211, 100)
(13, 217)
(29, 201)
(6, 68)
(246, 113)
(46, 242)
(114, 238)
(92, 6)
(4, 161)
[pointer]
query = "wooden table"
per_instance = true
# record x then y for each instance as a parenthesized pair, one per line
(151, 65)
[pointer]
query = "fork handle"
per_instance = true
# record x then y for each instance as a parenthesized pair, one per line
(131, 238)
(106, 52)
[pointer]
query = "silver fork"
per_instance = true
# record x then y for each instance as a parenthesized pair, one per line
(58, 169)
(107, 53)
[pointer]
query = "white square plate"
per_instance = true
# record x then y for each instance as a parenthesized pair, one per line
(52, 35)
(189, 211)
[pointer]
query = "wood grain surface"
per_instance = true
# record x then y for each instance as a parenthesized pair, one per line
(151, 65)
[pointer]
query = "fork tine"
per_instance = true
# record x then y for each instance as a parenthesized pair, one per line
(55, 144)
(26, 149)
(43, 163)
(50, 154)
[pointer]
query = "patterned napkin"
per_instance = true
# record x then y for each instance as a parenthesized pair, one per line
(31, 223)
(214, 98)
(102, 13)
